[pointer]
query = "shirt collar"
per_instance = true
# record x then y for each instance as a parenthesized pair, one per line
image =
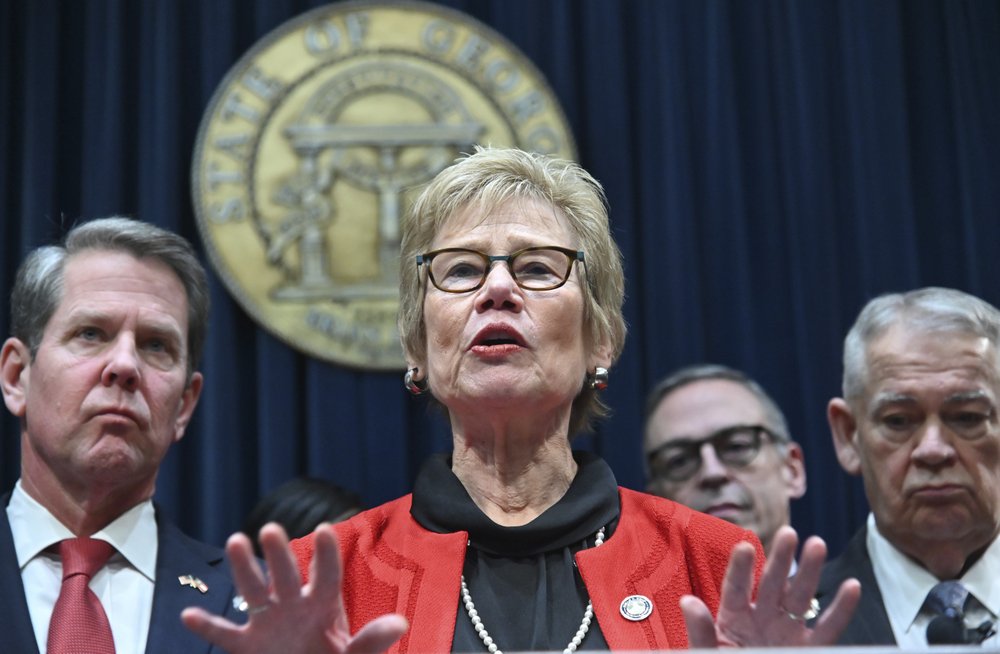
(904, 583)
(35, 529)
(981, 578)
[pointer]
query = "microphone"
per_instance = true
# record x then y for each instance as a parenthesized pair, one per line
(951, 630)
(982, 632)
(945, 630)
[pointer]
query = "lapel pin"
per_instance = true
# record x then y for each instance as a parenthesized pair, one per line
(636, 608)
(193, 582)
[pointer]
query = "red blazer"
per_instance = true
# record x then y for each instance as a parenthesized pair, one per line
(660, 549)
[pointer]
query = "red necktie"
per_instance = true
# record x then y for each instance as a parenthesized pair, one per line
(79, 624)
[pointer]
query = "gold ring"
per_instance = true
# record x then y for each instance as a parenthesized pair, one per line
(809, 613)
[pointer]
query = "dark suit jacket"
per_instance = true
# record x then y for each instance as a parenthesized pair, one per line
(177, 555)
(870, 624)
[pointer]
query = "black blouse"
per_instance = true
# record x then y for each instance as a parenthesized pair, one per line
(523, 580)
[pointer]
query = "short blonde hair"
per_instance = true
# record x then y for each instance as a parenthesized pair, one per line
(489, 178)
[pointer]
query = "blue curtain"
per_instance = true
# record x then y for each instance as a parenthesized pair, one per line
(770, 167)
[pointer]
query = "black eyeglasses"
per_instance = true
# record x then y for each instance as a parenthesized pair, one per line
(735, 447)
(458, 270)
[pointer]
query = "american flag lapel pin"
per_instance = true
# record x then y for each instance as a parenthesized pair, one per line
(193, 582)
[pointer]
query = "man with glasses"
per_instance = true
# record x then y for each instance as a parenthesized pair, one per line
(716, 442)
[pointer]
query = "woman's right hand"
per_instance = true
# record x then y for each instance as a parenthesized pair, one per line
(777, 617)
(287, 617)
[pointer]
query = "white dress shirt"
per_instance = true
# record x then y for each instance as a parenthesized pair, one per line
(904, 585)
(124, 585)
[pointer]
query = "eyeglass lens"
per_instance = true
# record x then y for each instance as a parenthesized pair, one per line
(680, 460)
(459, 270)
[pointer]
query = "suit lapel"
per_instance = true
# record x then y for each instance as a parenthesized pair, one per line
(870, 624)
(18, 634)
(181, 556)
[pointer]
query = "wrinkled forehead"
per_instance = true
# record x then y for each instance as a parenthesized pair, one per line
(97, 280)
(703, 407)
(943, 363)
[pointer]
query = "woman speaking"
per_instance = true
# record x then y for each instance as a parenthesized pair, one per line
(511, 291)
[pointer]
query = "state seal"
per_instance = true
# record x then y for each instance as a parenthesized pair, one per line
(319, 136)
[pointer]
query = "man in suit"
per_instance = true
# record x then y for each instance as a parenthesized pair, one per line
(715, 441)
(101, 371)
(919, 420)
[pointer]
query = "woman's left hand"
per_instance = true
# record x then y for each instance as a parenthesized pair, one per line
(780, 612)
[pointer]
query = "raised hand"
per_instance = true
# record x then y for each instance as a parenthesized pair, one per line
(285, 616)
(779, 615)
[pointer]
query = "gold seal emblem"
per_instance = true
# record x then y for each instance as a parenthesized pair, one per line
(316, 139)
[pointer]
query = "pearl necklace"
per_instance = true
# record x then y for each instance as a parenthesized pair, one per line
(484, 635)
